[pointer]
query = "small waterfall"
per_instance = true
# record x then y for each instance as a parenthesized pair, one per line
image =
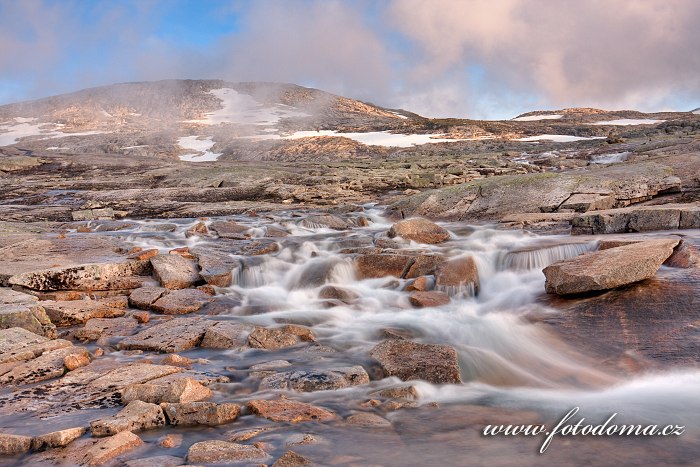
(541, 257)
(610, 158)
(257, 271)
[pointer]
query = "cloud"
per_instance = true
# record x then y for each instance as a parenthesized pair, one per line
(479, 58)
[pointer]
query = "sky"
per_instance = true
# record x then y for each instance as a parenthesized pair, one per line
(488, 59)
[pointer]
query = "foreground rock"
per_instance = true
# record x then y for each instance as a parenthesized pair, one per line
(428, 299)
(136, 416)
(201, 413)
(50, 364)
(637, 219)
(72, 312)
(144, 297)
(279, 338)
(175, 271)
(176, 335)
(224, 452)
(316, 380)
(22, 310)
(285, 410)
(107, 449)
(410, 360)
(181, 390)
(458, 277)
(608, 269)
(180, 302)
(419, 230)
(14, 444)
(57, 439)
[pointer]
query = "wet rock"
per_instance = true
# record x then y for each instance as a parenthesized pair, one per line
(428, 299)
(684, 256)
(136, 416)
(419, 230)
(227, 335)
(291, 459)
(18, 345)
(170, 441)
(181, 390)
(285, 410)
(421, 284)
(14, 444)
(224, 452)
(199, 229)
(159, 461)
(331, 292)
(301, 439)
(279, 338)
(275, 232)
(399, 392)
(144, 297)
(319, 271)
(261, 247)
(423, 264)
(108, 448)
(176, 335)
(143, 255)
(48, 365)
(177, 360)
(182, 301)
(22, 310)
(408, 360)
(458, 277)
(246, 435)
(327, 221)
(216, 267)
(637, 219)
(228, 229)
(200, 413)
(368, 420)
(106, 327)
(175, 272)
(73, 312)
(381, 265)
(75, 361)
(608, 269)
(57, 439)
(88, 277)
(316, 380)
(261, 370)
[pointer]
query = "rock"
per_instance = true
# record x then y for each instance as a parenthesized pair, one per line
(216, 267)
(177, 360)
(72, 312)
(158, 461)
(181, 390)
(331, 292)
(316, 380)
(170, 441)
(88, 277)
(75, 361)
(370, 266)
(278, 338)
(421, 284)
(275, 232)
(419, 230)
(261, 247)
(228, 229)
(175, 272)
(143, 255)
(18, 345)
(301, 439)
(367, 420)
(182, 251)
(227, 335)
(57, 439)
(399, 392)
(224, 452)
(408, 360)
(22, 310)
(144, 297)
(136, 416)
(108, 448)
(199, 229)
(291, 459)
(423, 265)
(182, 301)
(458, 277)
(96, 328)
(684, 256)
(428, 299)
(637, 219)
(327, 221)
(261, 370)
(14, 444)
(608, 269)
(176, 335)
(200, 413)
(48, 365)
(285, 410)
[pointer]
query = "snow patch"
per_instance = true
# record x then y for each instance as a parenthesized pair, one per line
(243, 109)
(559, 138)
(22, 127)
(630, 121)
(532, 118)
(379, 138)
(201, 146)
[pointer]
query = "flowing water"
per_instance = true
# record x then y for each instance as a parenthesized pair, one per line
(515, 368)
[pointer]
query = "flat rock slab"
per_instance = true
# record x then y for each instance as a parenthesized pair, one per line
(14, 444)
(136, 416)
(608, 269)
(224, 452)
(57, 439)
(178, 390)
(18, 344)
(286, 410)
(144, 297)
(411, 360)
(637, 219)
(176, 335)
(279, 338)
(181, 302)
(428, 299)
(48, 365)
(227, 335)
(18, 309)
(316, 380)
(72, 312)
(96, 328)
(200, 413)
(175, 271)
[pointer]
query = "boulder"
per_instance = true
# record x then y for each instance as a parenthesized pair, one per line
(408, 360)
(227, 335)
(14, 444)
(458, 277)
(200, 413)
(327, 221)
(292, 459)
(19, 345)
(176, 335)
(368, 266)
(637, 219)
(182, 301)
(48, 365)
(108, 448)
(419, 230)
(175, 272)
(18, 309)
(159, 461)
(224, 452)
(428, 299)
(316, 380)
(228, 229)
(368, 420)
(331, 292)
(57, 439)
(286, 410)
(136, 416)
(180, 390)
(144, 297)
(608, 269)
(96, 328)
(73, 312)
(421, 284)
(279, 338)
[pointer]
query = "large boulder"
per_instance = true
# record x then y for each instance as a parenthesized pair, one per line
(419, 230)
(316, 380)
(175, 271)
(637, 219)
(458, 277)
(411, 360)
(181, 302)
(608, 269)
